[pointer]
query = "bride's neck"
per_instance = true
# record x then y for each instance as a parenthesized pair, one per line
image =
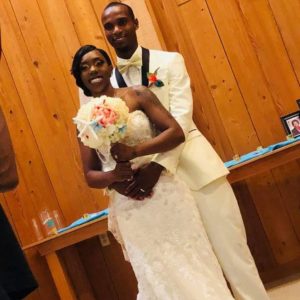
(108, 91)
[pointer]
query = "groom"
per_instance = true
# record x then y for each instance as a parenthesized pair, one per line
(195, 162)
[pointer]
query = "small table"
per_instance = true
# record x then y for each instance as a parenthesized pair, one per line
(50, 246)
(264, 162)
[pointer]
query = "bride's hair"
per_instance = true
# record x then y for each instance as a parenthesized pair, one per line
(75, 69)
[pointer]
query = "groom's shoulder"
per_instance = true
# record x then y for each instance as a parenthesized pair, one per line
(164, 56)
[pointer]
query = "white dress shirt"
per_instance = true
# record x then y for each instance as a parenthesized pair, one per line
(132, 75)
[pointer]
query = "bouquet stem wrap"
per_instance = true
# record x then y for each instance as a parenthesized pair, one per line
(101, 122)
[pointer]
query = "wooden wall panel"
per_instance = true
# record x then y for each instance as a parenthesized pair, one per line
(63, 37)
(35, 189)
(240, 50)
(287, 21)
(219, 77)
(53, 107)
(86, 23)
(271, 53)
(275, 218)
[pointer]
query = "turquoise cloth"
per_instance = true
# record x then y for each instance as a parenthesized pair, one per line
(260, 152)
(85, 219)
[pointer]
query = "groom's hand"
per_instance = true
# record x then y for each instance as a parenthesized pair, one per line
(144, 181)
(120, 187)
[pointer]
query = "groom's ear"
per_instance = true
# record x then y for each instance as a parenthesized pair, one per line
(136, 23)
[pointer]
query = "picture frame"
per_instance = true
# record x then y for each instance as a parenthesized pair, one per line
(298, 102)
(291, 123)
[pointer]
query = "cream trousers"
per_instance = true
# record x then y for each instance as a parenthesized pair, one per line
(224, 226)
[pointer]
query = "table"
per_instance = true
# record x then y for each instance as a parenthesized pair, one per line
(50, 246)
(264, 163)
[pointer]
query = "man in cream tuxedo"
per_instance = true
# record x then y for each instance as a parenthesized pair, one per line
(195, 161)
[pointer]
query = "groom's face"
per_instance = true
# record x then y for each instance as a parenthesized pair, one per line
(120, 28)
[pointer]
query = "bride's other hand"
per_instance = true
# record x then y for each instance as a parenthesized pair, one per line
(123, 171)
(121, 152)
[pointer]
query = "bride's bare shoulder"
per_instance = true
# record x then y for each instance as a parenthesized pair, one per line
(137, 96)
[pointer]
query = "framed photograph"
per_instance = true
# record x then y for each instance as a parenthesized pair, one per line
(298, 102)
(291, 123)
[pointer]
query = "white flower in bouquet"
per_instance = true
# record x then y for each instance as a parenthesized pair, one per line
(102, 121)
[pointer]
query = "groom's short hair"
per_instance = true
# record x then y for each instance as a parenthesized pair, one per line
(115, 3)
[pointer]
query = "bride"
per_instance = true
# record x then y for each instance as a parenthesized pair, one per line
(161, 234)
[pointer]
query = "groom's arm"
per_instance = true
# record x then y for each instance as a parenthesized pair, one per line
(180, 107)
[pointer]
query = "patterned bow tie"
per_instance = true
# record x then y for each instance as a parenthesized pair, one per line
(134, 60)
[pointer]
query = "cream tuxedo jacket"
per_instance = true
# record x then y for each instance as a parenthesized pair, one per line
(195, 161)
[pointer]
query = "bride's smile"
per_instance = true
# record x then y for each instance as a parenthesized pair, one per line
(95, 72)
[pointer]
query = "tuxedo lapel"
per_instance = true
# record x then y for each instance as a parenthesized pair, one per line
(145, 66)
(120, 80)
(157, 62)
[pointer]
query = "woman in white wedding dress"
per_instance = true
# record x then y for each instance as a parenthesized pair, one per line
(162, 235)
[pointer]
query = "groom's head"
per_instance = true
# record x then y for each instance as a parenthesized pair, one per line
(120, 26)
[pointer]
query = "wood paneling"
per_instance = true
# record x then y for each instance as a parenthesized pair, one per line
(287, 21)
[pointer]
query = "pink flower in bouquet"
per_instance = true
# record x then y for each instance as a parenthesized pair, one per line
(107, 115)
(102, 121)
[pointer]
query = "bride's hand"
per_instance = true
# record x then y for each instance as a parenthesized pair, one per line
(121, 152)
(123, 171)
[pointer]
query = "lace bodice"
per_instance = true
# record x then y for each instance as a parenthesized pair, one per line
(139, 129)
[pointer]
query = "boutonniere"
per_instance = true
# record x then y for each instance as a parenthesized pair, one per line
(153, 80)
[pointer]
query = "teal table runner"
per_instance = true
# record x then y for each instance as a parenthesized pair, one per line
(260, 152)
(85, 219)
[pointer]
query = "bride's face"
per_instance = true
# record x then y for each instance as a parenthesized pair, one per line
(95, 72)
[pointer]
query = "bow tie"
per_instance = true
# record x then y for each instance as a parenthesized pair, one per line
(134, 60)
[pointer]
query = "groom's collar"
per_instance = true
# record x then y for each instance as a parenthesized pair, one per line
(137, 52)
(145, 53)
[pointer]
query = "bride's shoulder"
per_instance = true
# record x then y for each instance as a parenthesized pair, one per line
(139, 96)
(139, 92)
(138, 89)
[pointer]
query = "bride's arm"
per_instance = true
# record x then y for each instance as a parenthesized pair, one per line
(92, 169)
(171, 134)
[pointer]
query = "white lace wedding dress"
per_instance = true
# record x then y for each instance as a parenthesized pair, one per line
(163, 236)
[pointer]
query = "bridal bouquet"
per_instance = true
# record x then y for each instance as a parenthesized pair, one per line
(102, 121)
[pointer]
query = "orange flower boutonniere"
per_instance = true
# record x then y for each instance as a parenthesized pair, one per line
(153, 80)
